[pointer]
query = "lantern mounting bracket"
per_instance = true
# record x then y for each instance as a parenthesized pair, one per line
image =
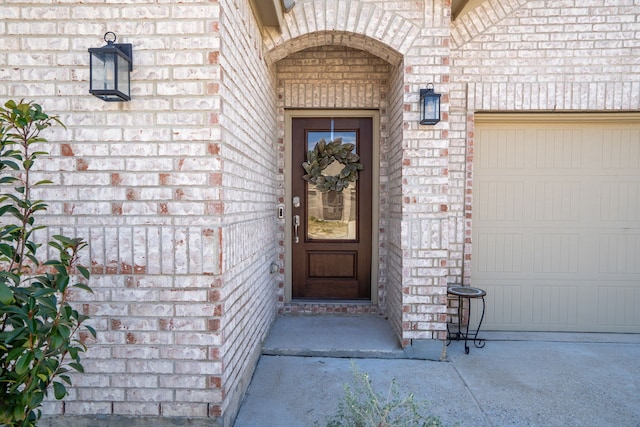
(126, 48)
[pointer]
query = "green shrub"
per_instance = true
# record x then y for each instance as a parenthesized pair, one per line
(38, 326)
(363, 407)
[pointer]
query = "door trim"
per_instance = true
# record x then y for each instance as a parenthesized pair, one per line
(375, 191)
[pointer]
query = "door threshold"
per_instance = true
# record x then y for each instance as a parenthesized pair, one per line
(329, 301)
(347, 307)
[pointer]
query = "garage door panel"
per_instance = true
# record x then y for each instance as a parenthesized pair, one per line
(620, 201)
(504, 151)
(618, 306)
(555, 253)
(556, 225)
(559, 308)
(557, 200)
(512, 304)
(500, 252)
(555, 306)
(501, 201)
(558, 149)
(503, 307)
(619, 254)
(620, 150)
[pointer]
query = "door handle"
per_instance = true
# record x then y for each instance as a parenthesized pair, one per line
(296, 225)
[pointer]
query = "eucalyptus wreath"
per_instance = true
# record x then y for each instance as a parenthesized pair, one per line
(323, 154)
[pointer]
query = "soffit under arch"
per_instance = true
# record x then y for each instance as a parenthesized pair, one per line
(460, 7)
(335, 38)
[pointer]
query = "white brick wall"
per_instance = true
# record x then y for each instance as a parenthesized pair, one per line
(176, 190)
(393, 217)
(162, 189)
(248, 192)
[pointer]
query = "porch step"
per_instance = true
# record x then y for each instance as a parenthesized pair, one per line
(355, 336)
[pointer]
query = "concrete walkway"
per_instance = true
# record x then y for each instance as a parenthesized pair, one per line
(549, 379)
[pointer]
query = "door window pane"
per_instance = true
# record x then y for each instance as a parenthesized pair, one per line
(331, 215)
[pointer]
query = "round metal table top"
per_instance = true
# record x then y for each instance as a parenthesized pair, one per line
(466, 291)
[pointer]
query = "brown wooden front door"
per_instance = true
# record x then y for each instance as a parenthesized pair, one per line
(331, 239)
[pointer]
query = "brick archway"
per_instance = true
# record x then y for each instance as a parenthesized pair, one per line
(312, 24)
(335, 38)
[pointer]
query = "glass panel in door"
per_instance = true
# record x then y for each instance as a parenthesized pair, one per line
(331, 215)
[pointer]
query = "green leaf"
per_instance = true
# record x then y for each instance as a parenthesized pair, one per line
(73, 352)
(36, 399)
(56, 341)
(18, 412)
(85, 273)
(32, 246)
(6, 295)
(63, 239)
(55, 245)
(62, 282)
(20, 311)
(9, 209)
(14, 337)
(65, 378)
(83, 287)
(11, 164)
(33, 259)
(64, 331)
(22, 365)
(91, 330)
(78, 367)
(7, 179)
(59, 390)
(42, 294)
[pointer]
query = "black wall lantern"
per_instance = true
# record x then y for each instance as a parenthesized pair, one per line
(429, 106)
(110, 66)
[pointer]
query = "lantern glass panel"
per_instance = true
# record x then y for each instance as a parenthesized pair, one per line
(123, 76)
(429, 107)
(102, 71)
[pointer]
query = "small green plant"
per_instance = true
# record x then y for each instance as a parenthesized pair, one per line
(363, 407)
(38, 325)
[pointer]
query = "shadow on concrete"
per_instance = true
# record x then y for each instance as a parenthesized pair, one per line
(519, 379)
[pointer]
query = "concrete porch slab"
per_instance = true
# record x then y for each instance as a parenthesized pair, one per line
(368, 336)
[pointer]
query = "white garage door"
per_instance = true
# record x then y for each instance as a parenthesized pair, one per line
(556, 222)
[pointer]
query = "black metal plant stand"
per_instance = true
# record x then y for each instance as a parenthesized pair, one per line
(466, 292)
